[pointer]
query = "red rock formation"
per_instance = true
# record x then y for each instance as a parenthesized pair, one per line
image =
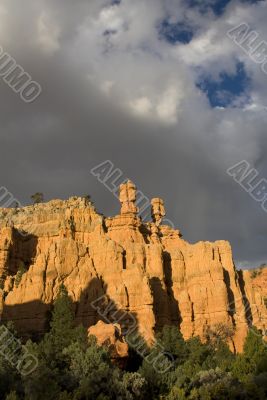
(255, 293)
(128, 198)
(146, 269)
(110, 335)
(157, 210)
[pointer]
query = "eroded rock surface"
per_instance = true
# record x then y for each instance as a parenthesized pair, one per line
(146, 269)
(110, 335)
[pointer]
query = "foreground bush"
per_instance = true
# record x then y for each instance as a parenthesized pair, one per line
(72, 367)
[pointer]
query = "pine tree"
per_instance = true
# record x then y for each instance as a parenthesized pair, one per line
(61, 332)
(37, 198)
(12, 396)
(62, 318)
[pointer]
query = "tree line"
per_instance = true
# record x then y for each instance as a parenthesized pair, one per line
(72, 367)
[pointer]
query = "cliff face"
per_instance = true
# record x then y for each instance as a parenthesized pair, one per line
(146, 270)
(255, 289)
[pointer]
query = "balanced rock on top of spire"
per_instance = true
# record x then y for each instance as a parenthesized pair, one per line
(128, 198)
(157, 210)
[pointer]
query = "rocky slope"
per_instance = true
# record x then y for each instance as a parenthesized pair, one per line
(121, 270)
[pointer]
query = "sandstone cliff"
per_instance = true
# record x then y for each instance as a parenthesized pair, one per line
(148, 272)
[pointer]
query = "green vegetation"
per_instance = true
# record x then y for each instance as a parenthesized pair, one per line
(37, 197)
(87, 198)
(258, 271)
(72, 225)
(255, 273)
(2, 283)
(73, 367)
(21, 271)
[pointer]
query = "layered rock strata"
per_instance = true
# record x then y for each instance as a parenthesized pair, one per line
(147, 270)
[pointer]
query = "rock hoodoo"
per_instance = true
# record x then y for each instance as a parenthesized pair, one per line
(157, 210)
(146, 269)
(128, 198)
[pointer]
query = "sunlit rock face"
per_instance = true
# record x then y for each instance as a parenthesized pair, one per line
(147, 270)
(110, 335)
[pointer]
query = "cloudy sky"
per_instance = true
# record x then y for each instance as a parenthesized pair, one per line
(155, 86)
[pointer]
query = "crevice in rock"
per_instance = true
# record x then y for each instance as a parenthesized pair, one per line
(246, 303)
(230, 296)
(127, 297)
(174, 312)
(124, 259)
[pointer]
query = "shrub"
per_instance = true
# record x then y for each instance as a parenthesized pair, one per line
(21, 270)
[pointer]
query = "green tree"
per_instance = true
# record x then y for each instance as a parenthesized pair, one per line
(172, 341)
(52, 375)
(255, 350)
(37, 197)
(219, 333)
(176, 394)
(87, 198)
(10, 379)
(134, 385)
(157, 383)
(198, 352)
(62, 330)
(97, 378)
(12, 396)
(223, 357)
(253, 360)
(21, 270)
(42, 383)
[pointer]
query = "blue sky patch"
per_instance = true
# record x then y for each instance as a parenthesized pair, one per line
(251, 1)
(109, 32)
(224, 92)
(217, 6)
(175, 32)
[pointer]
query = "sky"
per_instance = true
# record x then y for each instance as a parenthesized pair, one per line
(155, 86)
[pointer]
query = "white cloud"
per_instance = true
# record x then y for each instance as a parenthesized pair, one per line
(141, 66)
(110, 19)
(107, 87)
(142, 106)
(3, 14)
(168, 105)
(48, 33)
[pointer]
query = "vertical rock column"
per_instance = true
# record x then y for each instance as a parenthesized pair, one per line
(6, 243)
(128, 198)
(155, 267)
(130, 288)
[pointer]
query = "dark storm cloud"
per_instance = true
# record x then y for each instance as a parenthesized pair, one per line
(52, 144)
